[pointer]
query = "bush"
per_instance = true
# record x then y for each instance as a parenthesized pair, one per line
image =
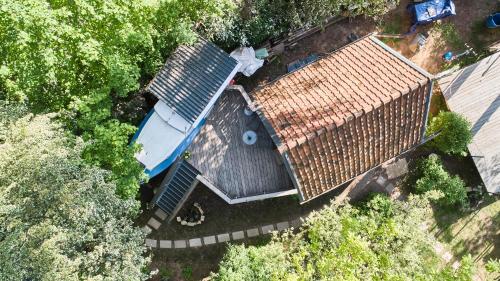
(454, 132)
(432, 176)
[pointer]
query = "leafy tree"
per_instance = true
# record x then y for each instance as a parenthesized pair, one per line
(432, 176)
(349, 243)
(81, 57)
(454, 132)
(258, 20)
(59, 217)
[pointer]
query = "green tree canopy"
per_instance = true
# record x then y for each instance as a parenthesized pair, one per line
(454, 132)
(82, 57)
(255, 21)
(60, 218)
(431, 175)
(381, 240)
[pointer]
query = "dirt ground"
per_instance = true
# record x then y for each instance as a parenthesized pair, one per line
(469, 24)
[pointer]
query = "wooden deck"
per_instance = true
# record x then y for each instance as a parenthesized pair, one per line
(238, 170)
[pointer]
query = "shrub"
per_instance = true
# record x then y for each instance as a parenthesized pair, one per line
(454, 132)
(187, 272)
(432, 176)
(264, 19)
(349, 243)
(60, 218)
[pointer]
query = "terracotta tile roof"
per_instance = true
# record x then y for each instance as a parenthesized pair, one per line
(344, 114)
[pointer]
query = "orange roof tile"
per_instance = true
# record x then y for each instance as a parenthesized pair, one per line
(340, 116)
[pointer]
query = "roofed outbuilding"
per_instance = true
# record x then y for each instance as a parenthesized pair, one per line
(345, 114)
(474, 92)
(192, 76)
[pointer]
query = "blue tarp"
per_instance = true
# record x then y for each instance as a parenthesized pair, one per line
(432, 10)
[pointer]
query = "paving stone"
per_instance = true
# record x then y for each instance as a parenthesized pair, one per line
(296, 223)
(397, 169)
(166, 244)
(389, 188)
(381, 180)
(161, 214)
(195, 242)
(438, 248)
(154, 223)
(151, 242)
(147, 229)
(252, 232)
(447, 256)
(237, 235)
(208, 240)
(224, 237)
(282, 225)
(178, 244)
(267, 228)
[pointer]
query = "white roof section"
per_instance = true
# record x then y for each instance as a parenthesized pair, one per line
(474, 91)
(161, 135)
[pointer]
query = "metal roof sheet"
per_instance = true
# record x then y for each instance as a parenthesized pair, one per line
(191, 77)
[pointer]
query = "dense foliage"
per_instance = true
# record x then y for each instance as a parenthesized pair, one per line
(60, 219)
(432, 176)
(382, 240)
(257, 20)
(454, 132)
(81, 57)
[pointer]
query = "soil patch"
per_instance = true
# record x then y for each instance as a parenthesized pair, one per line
(220, 217)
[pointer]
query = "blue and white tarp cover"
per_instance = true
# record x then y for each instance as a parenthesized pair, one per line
(432, 10)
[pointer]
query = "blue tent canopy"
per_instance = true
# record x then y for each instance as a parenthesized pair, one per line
(431, 10)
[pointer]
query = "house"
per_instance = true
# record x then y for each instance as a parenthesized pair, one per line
(474, 92)
(307, 132)
(187, 87)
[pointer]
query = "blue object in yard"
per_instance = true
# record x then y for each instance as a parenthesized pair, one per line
(298, 64)
(448, 56)
(493, 21)
(432, 10)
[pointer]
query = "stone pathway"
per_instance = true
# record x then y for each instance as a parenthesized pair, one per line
(391, 170)
(221, 237)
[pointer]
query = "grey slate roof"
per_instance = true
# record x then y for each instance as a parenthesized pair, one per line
(191, 76)
(474, 91)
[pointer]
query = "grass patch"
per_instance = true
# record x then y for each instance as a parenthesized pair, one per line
(392, 26)
(450, 35)
(473, 232)
(438, 103)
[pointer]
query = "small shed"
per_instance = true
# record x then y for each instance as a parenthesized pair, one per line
(187, 87)
(474, 91)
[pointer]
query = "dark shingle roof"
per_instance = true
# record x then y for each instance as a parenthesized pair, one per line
(345, 113)
(191, 76)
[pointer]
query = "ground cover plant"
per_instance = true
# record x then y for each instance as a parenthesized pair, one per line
(252, 22)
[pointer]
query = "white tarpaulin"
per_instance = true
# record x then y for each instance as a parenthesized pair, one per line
(249, 63)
